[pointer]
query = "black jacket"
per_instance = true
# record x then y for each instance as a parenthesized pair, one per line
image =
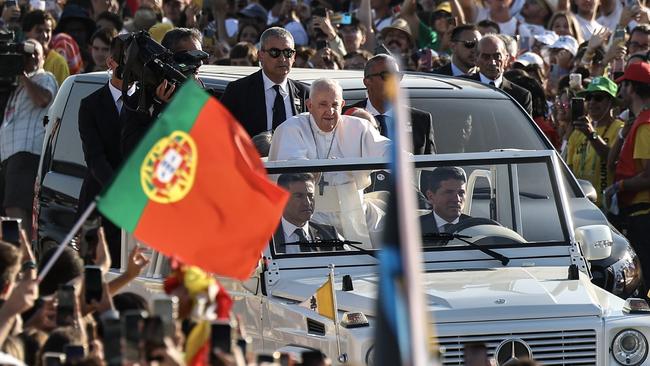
(245, 99)
(521, 95)
(316, 232)
(422, 133)
(430, 226)
(444, 70)
(99, 129)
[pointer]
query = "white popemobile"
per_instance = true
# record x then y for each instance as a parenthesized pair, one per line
(514, 276)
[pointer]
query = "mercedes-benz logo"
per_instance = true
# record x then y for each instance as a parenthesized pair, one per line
(511, 350)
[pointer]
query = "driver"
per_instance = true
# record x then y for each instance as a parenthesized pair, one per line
(445, 191)
(295, 225)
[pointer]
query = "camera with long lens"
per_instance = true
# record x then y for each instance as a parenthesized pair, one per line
(12, 59)
(149, 63)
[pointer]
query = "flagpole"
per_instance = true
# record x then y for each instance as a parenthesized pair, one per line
(67, 240)
(341, 357)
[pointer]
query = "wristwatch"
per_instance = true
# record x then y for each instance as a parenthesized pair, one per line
(593, 136)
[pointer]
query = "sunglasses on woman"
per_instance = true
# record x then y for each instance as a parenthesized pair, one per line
(275, 52)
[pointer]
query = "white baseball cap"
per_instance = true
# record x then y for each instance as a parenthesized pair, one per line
(566, 43)
(529, 58)
(547, 38)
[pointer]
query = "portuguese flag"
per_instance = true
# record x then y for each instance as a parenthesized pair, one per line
(196, 189)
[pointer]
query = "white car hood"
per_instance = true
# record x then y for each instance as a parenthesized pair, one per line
(473, 295)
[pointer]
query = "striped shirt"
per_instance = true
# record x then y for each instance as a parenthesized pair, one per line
(22, 126)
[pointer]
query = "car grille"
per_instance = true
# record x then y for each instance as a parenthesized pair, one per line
(573, 347)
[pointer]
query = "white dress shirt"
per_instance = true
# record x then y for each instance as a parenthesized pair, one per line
(290, 236)
(117, 95)
(455, 71)
(269, 96)
(486, 80)
(442, 222)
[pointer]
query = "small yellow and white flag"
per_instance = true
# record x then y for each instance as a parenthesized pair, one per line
(322, 301)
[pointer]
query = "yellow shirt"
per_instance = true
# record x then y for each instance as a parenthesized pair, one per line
(641, 152)
(583, 158)
(57, 65)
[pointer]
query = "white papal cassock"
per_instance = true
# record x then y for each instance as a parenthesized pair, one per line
(341, 203)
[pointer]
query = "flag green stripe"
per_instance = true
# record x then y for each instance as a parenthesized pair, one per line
(124, 201)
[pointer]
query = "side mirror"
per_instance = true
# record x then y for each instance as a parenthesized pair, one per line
(595, 241)
(588, 189)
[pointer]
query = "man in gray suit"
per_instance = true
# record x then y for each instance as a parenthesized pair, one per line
(295, 225)
(445, 191)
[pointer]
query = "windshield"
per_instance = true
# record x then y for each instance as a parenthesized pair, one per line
(476, 125)
(491, 203)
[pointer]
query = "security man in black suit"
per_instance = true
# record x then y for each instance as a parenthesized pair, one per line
(99, 129)
(375, 73)
(295, 225)
(491, 61)
(464, 40)
(445, 191)
(266, 98)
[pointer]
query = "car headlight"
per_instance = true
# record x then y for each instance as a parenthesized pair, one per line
(370, 356)
(630, 347)
(626, 272)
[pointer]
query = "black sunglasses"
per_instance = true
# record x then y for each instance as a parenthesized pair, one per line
(596, 97)
(275, 52)
(384, 75)
(468, 44)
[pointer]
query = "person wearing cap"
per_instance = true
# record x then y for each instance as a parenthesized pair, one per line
(464, 40)
(491, 62)
(376, 73)
(266, 98)
(632, 177)
(594, 134)
(562, 54)
(398, 39)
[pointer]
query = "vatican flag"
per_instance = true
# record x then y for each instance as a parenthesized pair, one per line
(323, 301)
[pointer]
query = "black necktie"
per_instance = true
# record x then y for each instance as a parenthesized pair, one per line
(381, 119)
(279, 114)
(301, 235)
(492, 83)
(447, 228)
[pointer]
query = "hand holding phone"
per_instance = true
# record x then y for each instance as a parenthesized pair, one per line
(220, 338)
(65, 306)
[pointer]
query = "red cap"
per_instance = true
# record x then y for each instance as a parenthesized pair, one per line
(639, 71)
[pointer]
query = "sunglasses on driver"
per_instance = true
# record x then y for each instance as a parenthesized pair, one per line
(384, 75)
(276, 52)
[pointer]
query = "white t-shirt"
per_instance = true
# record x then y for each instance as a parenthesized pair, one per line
(588, 27)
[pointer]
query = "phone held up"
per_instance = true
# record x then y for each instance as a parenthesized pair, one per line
(93, 284)
(577, 109)
(65, 305)
(11, 231)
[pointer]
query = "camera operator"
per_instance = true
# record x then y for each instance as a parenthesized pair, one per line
(135, 124)
(21, 135)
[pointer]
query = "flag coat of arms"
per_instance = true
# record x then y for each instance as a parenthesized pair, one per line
(195, 188)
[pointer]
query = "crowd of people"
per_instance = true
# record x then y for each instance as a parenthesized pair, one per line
(579, 68)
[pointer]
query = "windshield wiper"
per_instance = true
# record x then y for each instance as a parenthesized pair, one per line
(329, 243)
(448, 236)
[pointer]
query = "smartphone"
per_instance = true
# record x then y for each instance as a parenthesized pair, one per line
(221, 336)
(336, 18)
(346, 19)
(11, 231)
(112, 341)
(167, 309)
(93, 284)
(426, 59)
(524, 42)
(619, 36)
(321, 44)
(319, 12)
(154, 337)
(65, 305)
(132, 327)
(74, 352)
(575, 81)
(53, 359)
(577, 108)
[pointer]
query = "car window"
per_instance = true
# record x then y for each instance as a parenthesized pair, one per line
(479, 125)
(493, 203)
(68, 154)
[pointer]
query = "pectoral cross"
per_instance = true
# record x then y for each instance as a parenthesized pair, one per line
(321, 184)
